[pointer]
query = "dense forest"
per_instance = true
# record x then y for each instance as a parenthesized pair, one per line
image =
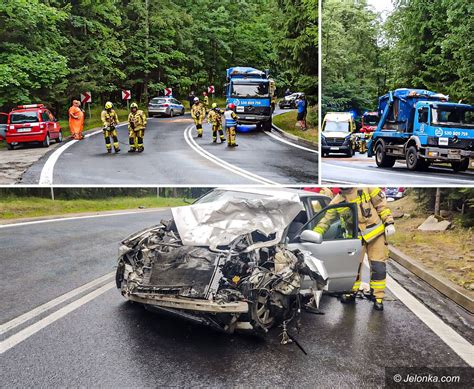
(426, 44)
(51, 50)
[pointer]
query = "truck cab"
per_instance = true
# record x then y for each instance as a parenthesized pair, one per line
(337, 133)
(251, 91)
(423, 127)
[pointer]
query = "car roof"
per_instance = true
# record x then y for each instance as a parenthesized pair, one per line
(270, 191)
(35, 109)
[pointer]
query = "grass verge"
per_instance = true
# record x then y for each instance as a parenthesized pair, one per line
(286, 121)
(448, 253)
(13, 207)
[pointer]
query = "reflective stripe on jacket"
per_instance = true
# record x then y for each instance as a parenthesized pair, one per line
(230, 118)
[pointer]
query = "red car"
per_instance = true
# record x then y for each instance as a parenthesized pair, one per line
(32, 123)
(370, 120)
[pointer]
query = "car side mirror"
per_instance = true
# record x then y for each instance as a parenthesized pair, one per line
(311, 236)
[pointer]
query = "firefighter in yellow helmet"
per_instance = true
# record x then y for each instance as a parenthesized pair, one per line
(198, 113)
(231, 125)
(215, 118)
(110, 120)
(136, 128)
(375, 223)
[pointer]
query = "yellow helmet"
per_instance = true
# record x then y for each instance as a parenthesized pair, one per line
(214, 105)
(108, 105)
(134, 105)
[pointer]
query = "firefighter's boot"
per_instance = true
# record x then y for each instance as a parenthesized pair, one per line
(348, 298)
(378, 304)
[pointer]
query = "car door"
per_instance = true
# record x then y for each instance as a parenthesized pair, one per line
(3, 124)
(340, 249)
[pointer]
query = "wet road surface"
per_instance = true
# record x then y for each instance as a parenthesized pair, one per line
(362, 170)
(171, 159)
(109, 342)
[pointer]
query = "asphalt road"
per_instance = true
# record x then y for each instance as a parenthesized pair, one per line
(170, 158)
(109, 342)
(362, 170)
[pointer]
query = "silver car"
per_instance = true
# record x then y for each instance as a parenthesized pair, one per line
(241, 260)
(165, 106)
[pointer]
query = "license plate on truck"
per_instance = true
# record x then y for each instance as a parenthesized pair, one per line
(240, 109)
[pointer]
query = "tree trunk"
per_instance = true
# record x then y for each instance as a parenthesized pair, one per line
(437, 201)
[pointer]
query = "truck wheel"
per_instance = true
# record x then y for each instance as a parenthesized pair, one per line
(460, 166)
(413, 161)
(381, 158)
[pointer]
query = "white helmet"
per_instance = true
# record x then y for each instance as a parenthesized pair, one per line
(196, 99)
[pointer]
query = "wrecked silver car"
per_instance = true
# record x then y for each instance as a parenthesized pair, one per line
(225, 264)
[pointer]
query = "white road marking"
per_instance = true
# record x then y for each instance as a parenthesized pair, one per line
(406, 175)
(221, 163)
(77, 218)
(46, 177)
(460, 345)
(280, 139)
(5, 327)
(24, 334)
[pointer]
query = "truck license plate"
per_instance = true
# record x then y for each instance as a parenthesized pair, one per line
(24, 130)
(240, 109)
(443, 141)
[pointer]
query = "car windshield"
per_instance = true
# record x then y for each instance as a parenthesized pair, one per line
(336, 127)
(453, 116)
(24, 117)
(225, 195)
(250, 90)
(371, 120)
(158, 101)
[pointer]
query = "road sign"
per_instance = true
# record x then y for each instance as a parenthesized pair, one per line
(126, 94)
(168, 91)
(86, 97)
(211, 89)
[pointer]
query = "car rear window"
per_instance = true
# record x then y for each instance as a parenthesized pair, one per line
(158, 101)
(24, 117)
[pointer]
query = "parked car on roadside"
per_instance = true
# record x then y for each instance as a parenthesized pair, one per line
(290, 101)
(394, 193)
(3, 124)
(241, 259)
(32, 123)
(165, 106)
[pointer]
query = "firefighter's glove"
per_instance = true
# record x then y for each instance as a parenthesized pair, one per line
(132, 125)
(389, 230)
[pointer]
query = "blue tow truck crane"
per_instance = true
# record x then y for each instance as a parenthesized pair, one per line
(251, 91)
(422, 127)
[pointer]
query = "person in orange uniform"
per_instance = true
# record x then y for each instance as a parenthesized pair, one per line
(76, 120)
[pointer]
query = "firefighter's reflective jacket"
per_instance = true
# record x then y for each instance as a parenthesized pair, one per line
(198, 111)
(137, 120)
(372, 212)
(215, 117)
(109, 118)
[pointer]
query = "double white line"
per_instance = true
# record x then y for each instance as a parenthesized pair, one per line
(99, 288)
(221, 163)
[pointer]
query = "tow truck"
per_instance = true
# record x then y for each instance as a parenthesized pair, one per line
(252, 93)
(422, 127)
(32, 123)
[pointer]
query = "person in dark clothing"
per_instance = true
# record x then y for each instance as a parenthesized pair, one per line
(191, 97)
(302, 106)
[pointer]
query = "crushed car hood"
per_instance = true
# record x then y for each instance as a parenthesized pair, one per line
(219, 223)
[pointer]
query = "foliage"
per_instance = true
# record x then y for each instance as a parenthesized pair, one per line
(51, 50)
(423, 44)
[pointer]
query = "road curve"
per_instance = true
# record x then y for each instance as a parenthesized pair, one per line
(363, 170)
(105, 341)
(170, 159)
